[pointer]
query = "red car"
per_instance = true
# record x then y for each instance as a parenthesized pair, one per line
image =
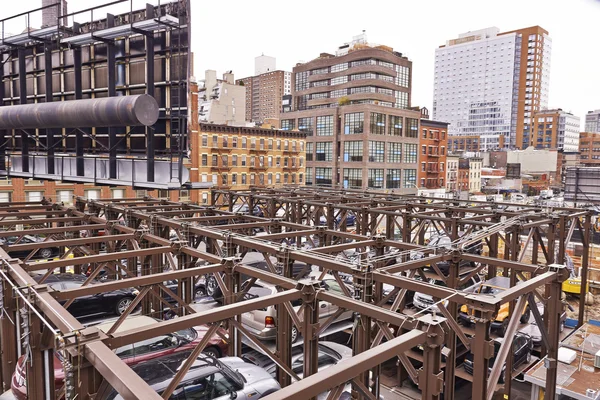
(132, 354)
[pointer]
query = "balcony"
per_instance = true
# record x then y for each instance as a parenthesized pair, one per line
(258, 167)
(432, 171)
(433, 155)
(257, 149)
(221, 149)
(291, 167)
(291, 150)
(222, 167)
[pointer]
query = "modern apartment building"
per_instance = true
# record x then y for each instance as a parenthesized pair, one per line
(354, 108)
(264, 93)
(432, 154)
(221, 101)
(489, 84)
(589, 149)
(592, 121)
(240, 157)
(470, 143)
(555, 129)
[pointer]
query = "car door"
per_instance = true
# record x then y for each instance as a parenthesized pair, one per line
(83, 305)
(334, 287)
(154, 347)
(210, 387)
(520, 350)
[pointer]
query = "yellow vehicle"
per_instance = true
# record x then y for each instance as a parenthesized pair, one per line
(493, 286)
(573, 286)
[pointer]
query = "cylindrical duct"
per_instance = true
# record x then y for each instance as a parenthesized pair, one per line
(105, 112)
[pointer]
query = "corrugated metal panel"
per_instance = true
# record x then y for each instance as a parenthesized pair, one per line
(582, 184)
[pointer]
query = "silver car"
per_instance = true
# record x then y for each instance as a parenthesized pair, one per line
(262, 323)
(208, 378)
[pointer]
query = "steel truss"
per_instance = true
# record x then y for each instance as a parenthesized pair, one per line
(387, 230)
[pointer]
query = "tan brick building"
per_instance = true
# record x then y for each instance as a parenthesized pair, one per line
(240, 157)
(589, 149)
(555, 129)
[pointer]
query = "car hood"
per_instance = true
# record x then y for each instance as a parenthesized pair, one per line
(250, 372)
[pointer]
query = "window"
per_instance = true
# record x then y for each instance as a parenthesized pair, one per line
(423, 149)
(5, 197)
(339, 80)
(320, 71)
(352, 178)
(410, 178)
(301, 80)
(215, 160)
(353, 151)
(209, 387)
(325, 125)
(287, 124)
(94, 194)
(243, 179)
(224, 179)
(401, 99)
(424, 133)
(323, 176)
(269, 179)
(234, 142)
(309, 176)
(377, 152)
(402, 76)
(278, 178)
(64, 196)
(309, 151)
(215, 141)
(118, 193)
(393, 179)
(412, 125)
(243, 161)
(377, 124)
(225, 142)
(234, 160)
(204, 160)
(339, 67)
(395, 125)
(394, 152)
(376, 178)
(244, 142)
(306, 125)
(353, 123)
(410, 153)
(270, 144)
(324, 151)
(204, 140)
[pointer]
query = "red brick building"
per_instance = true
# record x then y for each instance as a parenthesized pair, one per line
(432, 154)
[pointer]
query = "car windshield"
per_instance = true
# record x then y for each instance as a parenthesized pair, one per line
(188, 334)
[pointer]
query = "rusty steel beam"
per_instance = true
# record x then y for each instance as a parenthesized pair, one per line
(97, 258)
(133, 110)
(48, 231)
(346, 370)
(138, 281)
(67, 242)
(200, 318)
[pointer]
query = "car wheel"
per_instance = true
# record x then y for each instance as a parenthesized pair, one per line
(294, 334)
(122, 305)
(200, 292)
(526, 316)
(504, 328)
(212, 288)
(45, 253)
(212, 351)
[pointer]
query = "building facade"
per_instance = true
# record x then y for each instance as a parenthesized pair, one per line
(432, 154)
(460, 143)
(264, 94)
(589, 149)
(592, 121)
(354, 108)
(452, 172)
(221, 101)
(241, 157)
(469, 174)
(555, 129)
(489, 84)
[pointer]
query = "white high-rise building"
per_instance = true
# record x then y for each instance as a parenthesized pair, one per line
(489, 84)
(592, 121)
(263, 64)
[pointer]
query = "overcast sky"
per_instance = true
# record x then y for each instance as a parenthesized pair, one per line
(228, 35)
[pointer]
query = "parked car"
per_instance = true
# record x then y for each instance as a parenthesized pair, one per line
(199, 289)
(330, 354)
(521, 347)
(426, 302)
(262, 323)
(208, 378)
(113, 302)
(245, 209)
(255, 260)
(493, 286)
(176, 342)
(46, 252)
(350, 219)
(534, 331)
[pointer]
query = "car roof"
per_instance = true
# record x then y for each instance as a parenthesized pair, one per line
(67, 276)
(499, 282)
(131, 322)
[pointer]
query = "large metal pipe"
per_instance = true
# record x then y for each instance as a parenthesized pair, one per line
(109, 111)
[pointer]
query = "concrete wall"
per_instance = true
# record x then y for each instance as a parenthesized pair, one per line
(534, 161)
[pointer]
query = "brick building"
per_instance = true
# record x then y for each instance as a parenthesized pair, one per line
(589, 149)
(355, 109)
(432, 154)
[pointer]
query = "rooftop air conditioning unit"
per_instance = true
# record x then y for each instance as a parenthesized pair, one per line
(597, 360)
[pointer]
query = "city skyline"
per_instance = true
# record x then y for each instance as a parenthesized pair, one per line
(416, 38)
